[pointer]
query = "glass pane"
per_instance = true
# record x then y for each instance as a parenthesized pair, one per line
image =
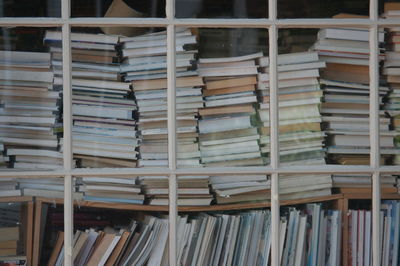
(110, 189)
(311, 233)
(240, 238)
(31, 104)
(227, 63)
(48, 218)
(221, 9)
(324, 96)
(35, 8)
(323, 9)
(103, 103)
(117, 8)
(119, 237)
(390, 104)
(241, 189)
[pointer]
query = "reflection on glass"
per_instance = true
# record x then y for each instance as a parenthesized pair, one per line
(292, 187)
(323, 9)
(221, 9)
(30, 111)
(118, 8)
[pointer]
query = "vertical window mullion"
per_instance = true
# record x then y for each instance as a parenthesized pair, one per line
(374, 139)
(171, 101)
(67, 120)
(274, 131)
(374, 129)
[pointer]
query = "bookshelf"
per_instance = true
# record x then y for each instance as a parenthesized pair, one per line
(250, 34)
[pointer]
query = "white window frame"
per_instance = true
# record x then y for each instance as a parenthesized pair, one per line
(272, 24)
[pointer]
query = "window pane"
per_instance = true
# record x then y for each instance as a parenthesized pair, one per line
(48, 218)
(118, 8)
(224, 122)
(15, 226)
(111, 217)
(389, 126)
(221, 9)
(322, 9)
(35, 8)
(103, 102)
(324, 90)
(31, 110)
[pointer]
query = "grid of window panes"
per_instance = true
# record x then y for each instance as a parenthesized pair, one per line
(280, 137)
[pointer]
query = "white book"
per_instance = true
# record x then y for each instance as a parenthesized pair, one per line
(224, 124)
(361, 234)
(367, 238)
(301, 240)
(110, 249)
(354, 237)
(348, 34)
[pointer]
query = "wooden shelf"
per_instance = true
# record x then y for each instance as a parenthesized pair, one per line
(211, 208)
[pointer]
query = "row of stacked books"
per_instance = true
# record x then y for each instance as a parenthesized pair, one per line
(29, 112)
(310, 236)
(360, 235)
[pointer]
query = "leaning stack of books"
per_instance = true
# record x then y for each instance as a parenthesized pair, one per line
(138, 244)
(145, 66)
(240, 188)
(391, 69)
(228, 133)
(104, 130)
(29, 111)
(299, 94)
(110, 189)
(346, 95)
(192, 190)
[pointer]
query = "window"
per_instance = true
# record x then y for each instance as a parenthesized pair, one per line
(234, 24)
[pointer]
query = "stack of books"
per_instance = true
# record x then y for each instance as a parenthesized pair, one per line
(192, 190)
(104, 128)
(299, 94)
(228, 132)
(304, 186)
(359, 183)
(44, 187)
(110, 189)
(346, 95)
(240, 188)
(391, 69)
(9, 187)
(145, 67)
(30, 108)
